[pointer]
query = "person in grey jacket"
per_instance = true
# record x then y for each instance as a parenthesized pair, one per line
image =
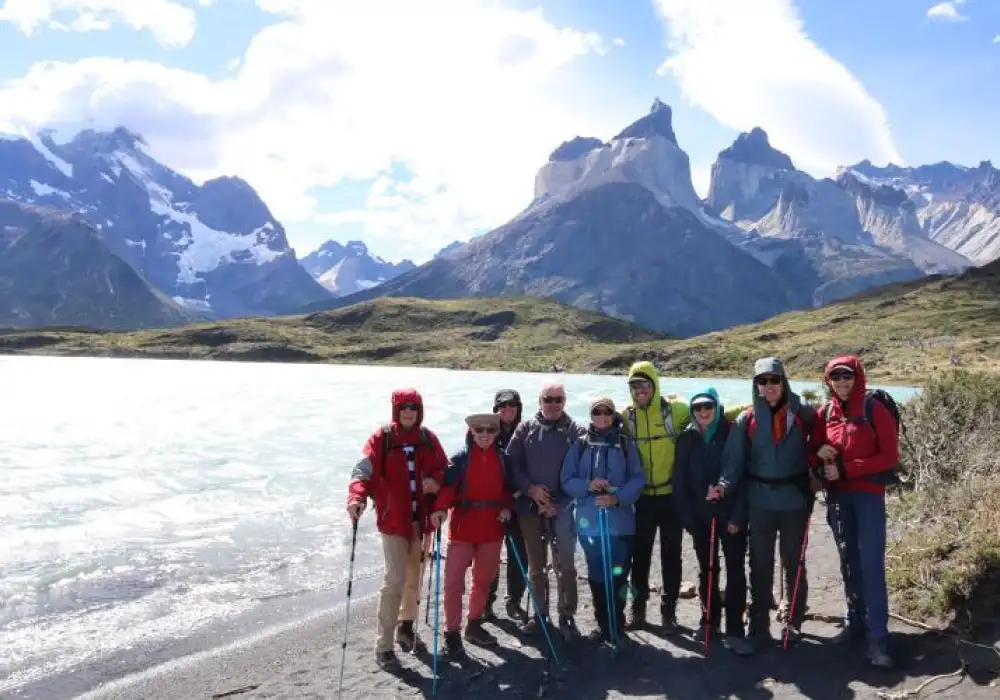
(536, 452)
(767, 446)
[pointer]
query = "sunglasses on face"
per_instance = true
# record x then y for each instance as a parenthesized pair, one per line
(553, 399)
(704, 407)
(841, 376)
(602, 412)
(479, 430)
(640, 386)
(507, 404)
(409, 407)
(768, 381)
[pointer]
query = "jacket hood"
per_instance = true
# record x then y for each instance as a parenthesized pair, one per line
(403, 396)
(772, 365)
(720, 411)
(646, 370)
(505, 395)
(860, 379)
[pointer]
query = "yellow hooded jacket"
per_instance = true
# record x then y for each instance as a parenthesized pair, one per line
(655, 437)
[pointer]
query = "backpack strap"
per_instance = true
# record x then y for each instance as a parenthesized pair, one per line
(666, 412)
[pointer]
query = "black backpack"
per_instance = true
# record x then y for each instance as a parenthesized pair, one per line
(890, 476)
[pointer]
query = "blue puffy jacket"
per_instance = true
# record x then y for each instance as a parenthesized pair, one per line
(612, 456)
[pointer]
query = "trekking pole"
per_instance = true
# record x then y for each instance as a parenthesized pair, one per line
(347, 619)
(602, 525)
(798, 576)
(430, 574)
(534, 601)
(708, 596)
(437, 605)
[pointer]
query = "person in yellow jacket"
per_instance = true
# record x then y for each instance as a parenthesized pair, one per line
(655, 423)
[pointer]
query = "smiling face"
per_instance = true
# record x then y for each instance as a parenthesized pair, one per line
(483, 435)
(552, 401)
(642, 391)
(770, 387)
(507, 412)
(704, 413)
(842, 382)
(601, 416)
(408, 413)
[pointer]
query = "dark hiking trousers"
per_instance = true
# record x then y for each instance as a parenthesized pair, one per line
(515, 579)
(734, 552)
(789, 528)
(858, 522)
(654, 513)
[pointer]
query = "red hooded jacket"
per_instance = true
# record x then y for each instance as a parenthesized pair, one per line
(475, 488)
(386, 477)
(864, 451)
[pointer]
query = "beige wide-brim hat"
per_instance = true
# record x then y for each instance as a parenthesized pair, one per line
(487, 420)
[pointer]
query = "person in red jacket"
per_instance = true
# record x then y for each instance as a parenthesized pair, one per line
(402, 466)
(857, 458)
(475, 490)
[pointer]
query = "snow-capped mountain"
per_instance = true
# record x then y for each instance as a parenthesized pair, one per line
(214, 248)
(956, 206)
(346, 269)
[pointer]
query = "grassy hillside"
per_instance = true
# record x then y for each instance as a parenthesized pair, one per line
(500, 334)
(904, 332)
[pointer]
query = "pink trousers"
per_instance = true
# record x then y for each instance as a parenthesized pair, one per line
(485, 561)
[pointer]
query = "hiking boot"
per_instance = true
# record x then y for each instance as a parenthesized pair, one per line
(760, 639)
(489, 615)
(879, 657)
(738, 646)
(848, 635)
(596, 636)
(638, 618)
(514, 611)
(668, 615)
(568, 629)
(475, 634)
(530, 626)
(794, 635)
(453, 647)
(407, 638)
(387, 660)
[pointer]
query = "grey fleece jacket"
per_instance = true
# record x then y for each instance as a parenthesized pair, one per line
(764, 459)
(535, 456)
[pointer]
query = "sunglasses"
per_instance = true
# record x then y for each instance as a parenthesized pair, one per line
(479, 430)
(769, 381)
(704, 407)
(640, 385)
(409, 407)
(506, 404)
(602, 412)
(553, 399)
(841, 375)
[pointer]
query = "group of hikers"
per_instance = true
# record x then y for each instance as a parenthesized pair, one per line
(737, 480)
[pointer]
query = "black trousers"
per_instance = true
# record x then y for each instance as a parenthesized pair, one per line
(734, 552)
(767, 526)
(515, 579)
(652, 514)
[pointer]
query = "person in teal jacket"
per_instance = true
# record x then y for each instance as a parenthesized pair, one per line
(602, 471)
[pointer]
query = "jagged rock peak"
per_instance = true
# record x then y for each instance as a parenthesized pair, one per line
(882, 194)
(576, 147)
(659, 122)
(118, 139)
(754, 147)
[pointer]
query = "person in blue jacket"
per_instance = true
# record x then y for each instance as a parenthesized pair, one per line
(602, 470)
(697, 466)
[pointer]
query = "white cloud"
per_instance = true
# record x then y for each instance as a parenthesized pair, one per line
(618, 41)
(750, 63)
(459, 92)
(947, 11)
(996, 39)
(171, 23)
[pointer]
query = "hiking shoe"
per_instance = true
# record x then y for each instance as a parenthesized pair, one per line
(475, 634)
(387, 660)
(489, 615)
(567, 627)
(794, 635)
(453, 647)
(407, 638)
(638, 618)
(669, 619)
(530, 626)
(761, 640)
(596, 636)
(514, 611)
(848, 635)
(738, 646)
(879, 657)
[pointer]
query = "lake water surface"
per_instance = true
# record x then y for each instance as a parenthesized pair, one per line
(144, 502)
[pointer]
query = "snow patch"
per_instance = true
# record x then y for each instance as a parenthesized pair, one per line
(368, 284)
(136, 244)
(43, 190)
(54, 160)
(194, 304)
(107, 178)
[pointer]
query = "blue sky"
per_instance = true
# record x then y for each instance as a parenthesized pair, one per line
(411, 124)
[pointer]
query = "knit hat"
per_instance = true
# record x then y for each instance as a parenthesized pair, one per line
(602, 401)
